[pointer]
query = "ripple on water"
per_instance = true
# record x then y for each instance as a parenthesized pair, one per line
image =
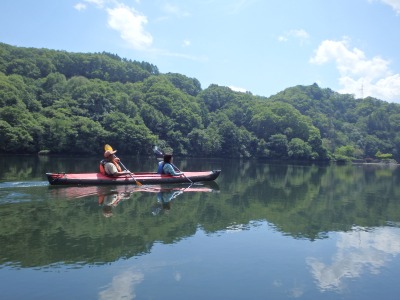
(18, 191)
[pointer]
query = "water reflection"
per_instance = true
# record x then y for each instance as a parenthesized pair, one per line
(122, 286)
(108, 197)
(110, 200)
(166, 194)
(279, 231)
(358, 252)
(164, 201)
(67, 224)
(351, 271)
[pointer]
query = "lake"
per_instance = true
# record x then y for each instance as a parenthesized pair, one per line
(260, 231)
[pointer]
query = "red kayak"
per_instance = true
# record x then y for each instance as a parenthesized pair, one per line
(142, 177)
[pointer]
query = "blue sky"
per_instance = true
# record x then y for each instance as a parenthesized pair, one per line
(260, 46)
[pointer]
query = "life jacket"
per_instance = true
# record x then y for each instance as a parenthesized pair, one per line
(103, 163)
(101, 167)
(100, 199)
(117, 165)
(160, 169)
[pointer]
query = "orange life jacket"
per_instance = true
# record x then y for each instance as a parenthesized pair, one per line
(102, 164)
(100, 199)
(118, 166)
(101, 167)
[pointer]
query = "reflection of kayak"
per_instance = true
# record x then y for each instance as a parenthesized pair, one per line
(74, 192)
(142, 177)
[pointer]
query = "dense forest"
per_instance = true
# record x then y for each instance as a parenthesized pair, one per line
(73, 103)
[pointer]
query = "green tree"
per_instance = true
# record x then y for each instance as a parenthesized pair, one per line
(278, 146)
(128, 135)
(315, 141)
(216, 97)
(345, 152)
(190, 86)
(264, 122)
(23, 67)
(299, 149)
(20, 129)
(205, 142)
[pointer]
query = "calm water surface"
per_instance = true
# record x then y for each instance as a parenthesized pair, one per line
(261, 231)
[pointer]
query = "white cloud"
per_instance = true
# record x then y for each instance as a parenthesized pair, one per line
(299, 34)
(394, 4)
(237, 89)
(98, 3)
(358, 74)
(80, 6)
(282, 38)
(130, 24)
(175, 10)
(179, 55)
(237, 6)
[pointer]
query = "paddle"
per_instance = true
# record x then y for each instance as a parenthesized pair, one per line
(108, 147)
(160, 153)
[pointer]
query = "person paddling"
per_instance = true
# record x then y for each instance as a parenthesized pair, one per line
(166, 166)
(111, 164)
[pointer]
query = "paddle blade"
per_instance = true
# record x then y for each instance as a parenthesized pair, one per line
(107, 147)
(138, 183)
(158, 152)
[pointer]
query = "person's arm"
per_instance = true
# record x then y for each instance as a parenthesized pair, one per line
(112, 170)
(122, 173)
(168, 169)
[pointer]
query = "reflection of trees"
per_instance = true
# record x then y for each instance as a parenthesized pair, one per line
(303, 201)
(308, 201)
(71, 227)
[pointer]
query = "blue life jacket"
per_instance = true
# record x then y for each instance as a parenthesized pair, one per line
(160, 169)
(161, 165)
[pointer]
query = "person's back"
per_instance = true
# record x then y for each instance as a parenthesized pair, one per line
(166, 167)
(169, 169)
(111, 168)
(108, 167)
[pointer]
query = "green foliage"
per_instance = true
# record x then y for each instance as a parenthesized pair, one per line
(216, 97)
(298, 149)
(383, 155)
(64, 102)
(190, 86)
(346, 151)
(207, 141)
(278, 146)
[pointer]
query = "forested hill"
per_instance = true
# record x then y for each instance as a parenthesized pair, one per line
(76, 102)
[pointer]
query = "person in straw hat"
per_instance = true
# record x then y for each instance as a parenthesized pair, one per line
(111, 164)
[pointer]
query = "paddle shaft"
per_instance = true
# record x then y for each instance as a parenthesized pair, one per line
(137, 182)
(182, 173)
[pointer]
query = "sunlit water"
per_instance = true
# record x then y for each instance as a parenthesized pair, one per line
(261, 231)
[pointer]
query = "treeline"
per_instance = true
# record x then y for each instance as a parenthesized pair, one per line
(76, 102)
